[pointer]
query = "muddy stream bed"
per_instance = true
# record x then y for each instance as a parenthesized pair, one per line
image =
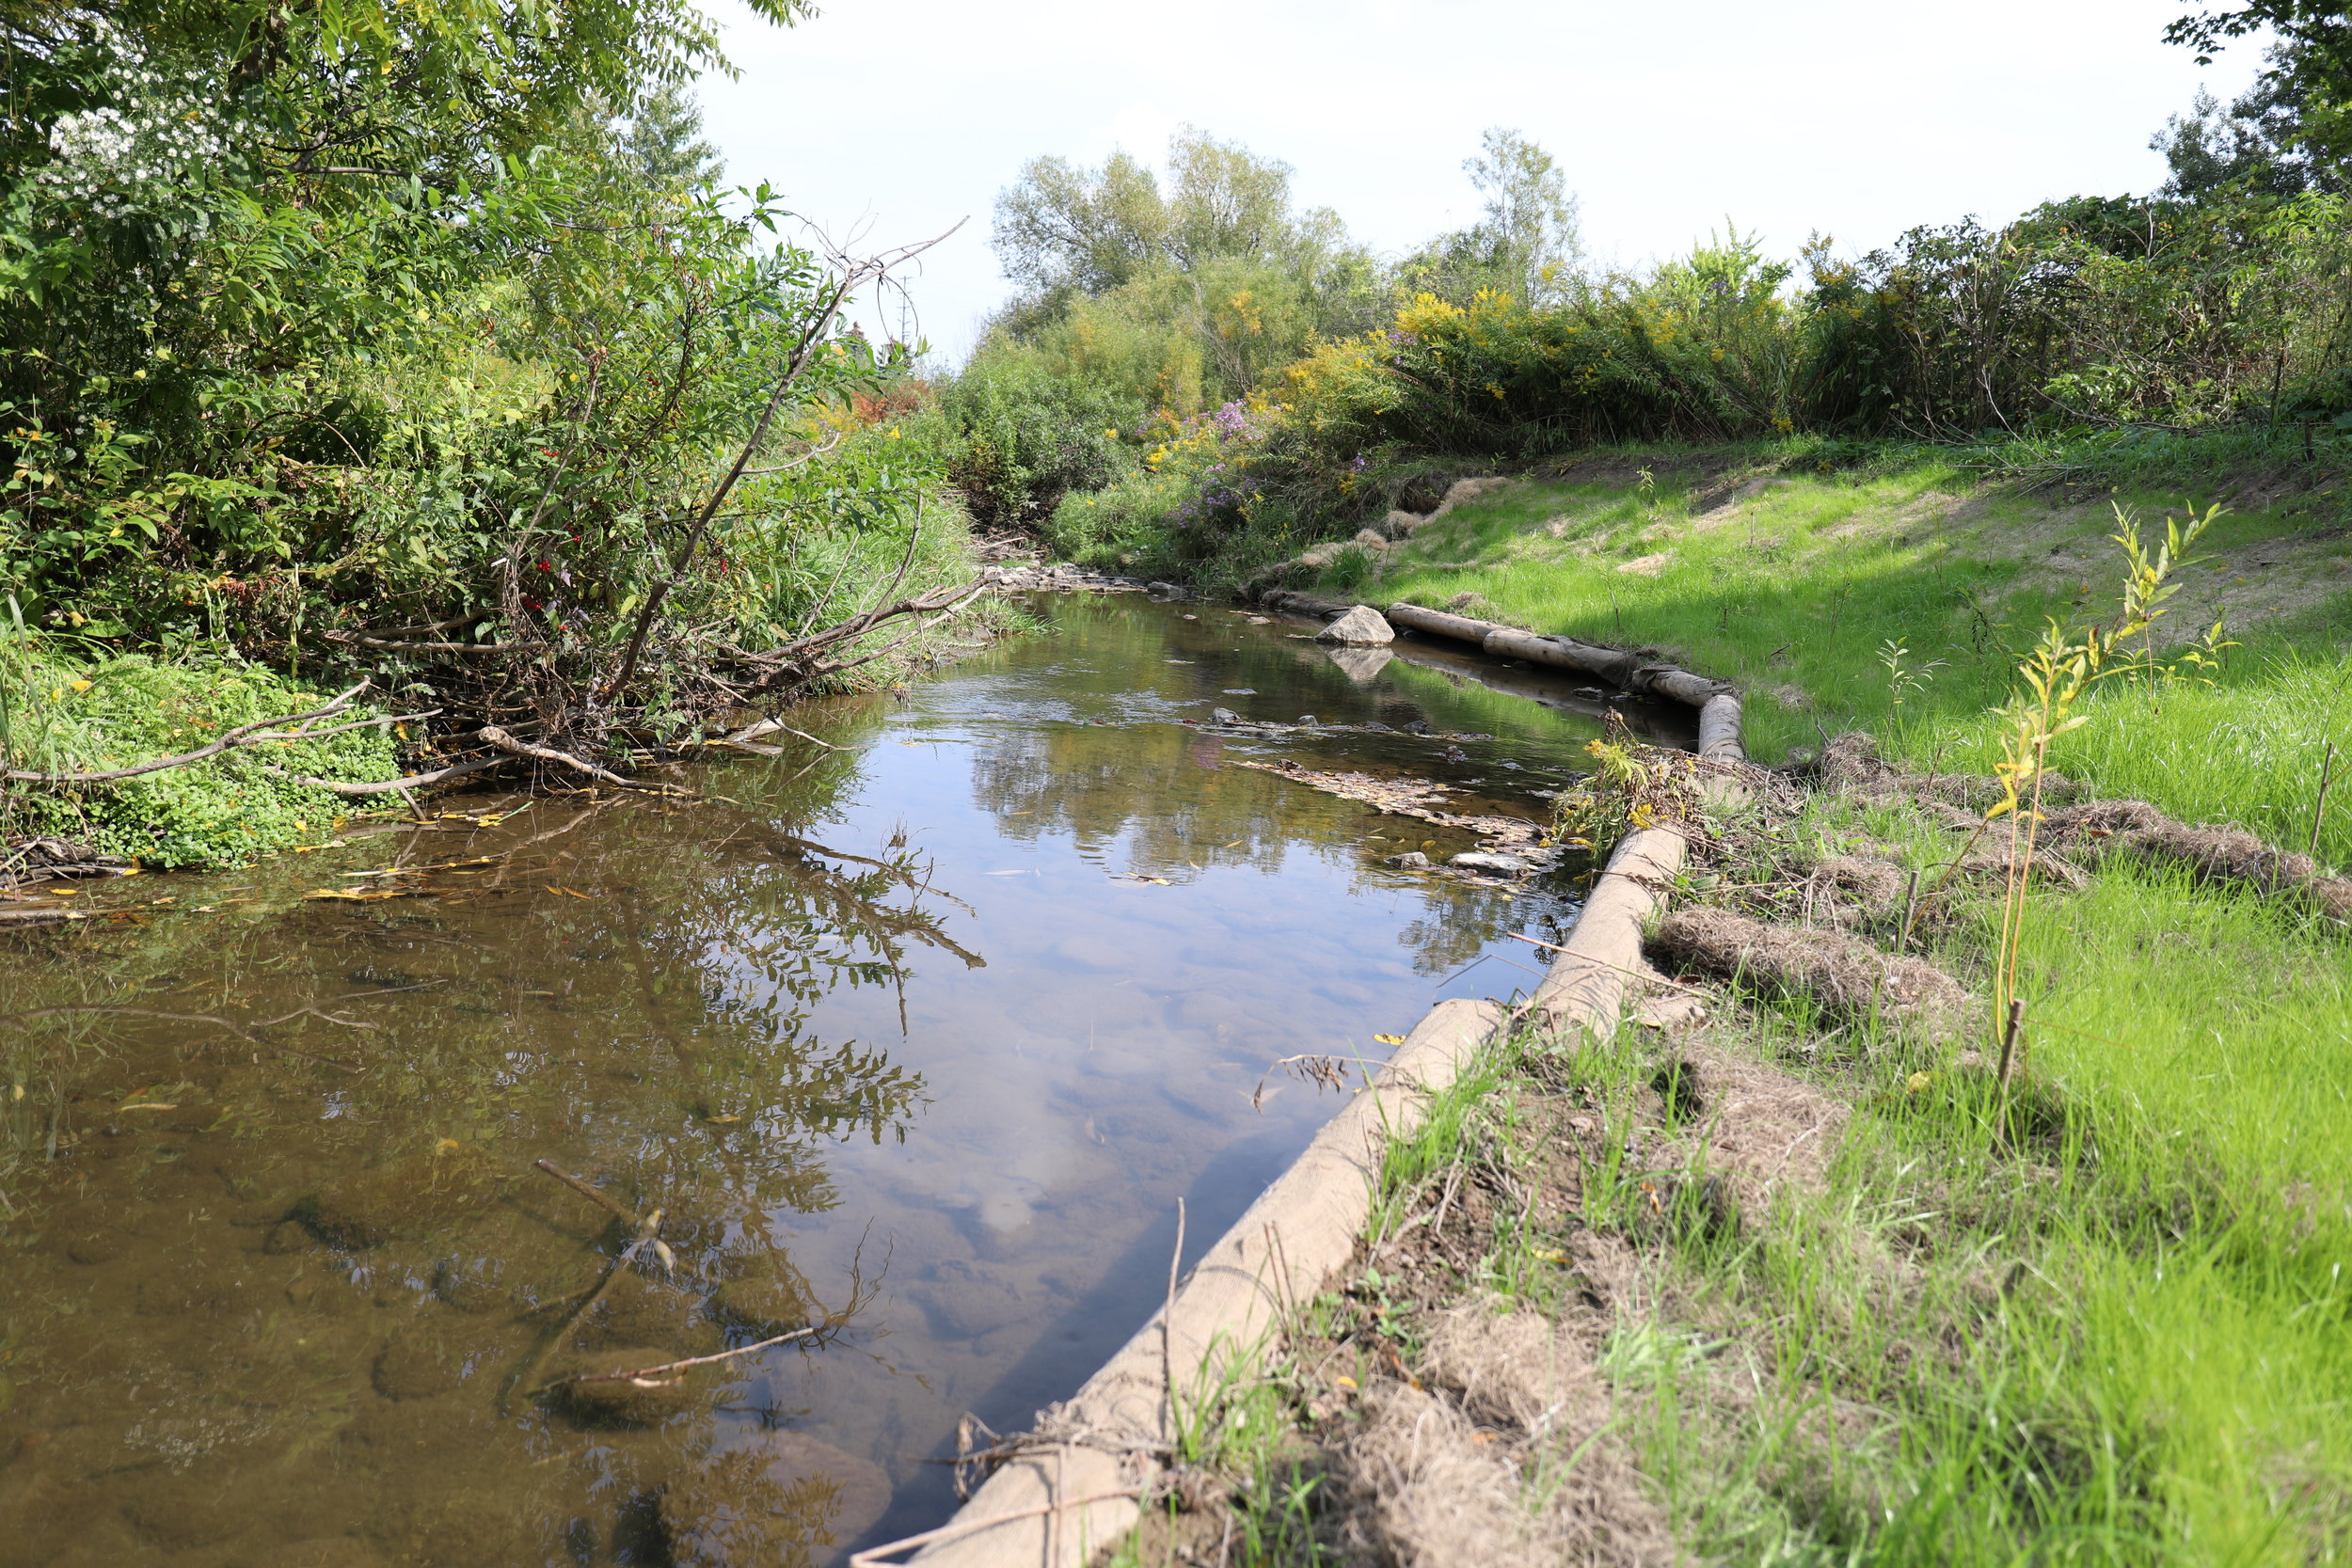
(913, 1043)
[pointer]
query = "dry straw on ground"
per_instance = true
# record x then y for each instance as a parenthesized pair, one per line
(1837, 972)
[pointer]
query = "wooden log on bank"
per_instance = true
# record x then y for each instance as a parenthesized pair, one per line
(1623, 670)
(1719, 729)
(1438, 623)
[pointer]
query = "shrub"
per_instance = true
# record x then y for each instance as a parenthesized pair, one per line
(1016, 437)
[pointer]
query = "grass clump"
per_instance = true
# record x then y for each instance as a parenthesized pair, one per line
(69, 716)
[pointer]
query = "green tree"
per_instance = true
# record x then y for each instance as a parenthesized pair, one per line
(2293, 130)
(1529, 244)
(664, 137)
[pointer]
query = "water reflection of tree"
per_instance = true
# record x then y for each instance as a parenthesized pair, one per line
(655, 1026)
(1162, 788)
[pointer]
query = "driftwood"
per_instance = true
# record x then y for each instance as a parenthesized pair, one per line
(512, 747)
(651, 1377)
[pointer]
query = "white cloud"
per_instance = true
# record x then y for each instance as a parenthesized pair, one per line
(1855, 119)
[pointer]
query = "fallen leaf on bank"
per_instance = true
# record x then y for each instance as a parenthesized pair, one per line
(1343, 1381)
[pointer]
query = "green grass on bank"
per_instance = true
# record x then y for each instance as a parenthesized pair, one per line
(1802, 587)
(60, 713)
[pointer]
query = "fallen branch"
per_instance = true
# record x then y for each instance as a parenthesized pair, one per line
(508, 744)
(646, 1231)
(594, 1194)
(394, 787)
(258, 732)
(405, 647)
(646, 1375)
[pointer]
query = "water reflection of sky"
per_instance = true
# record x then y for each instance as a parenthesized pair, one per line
(978, 1086)
(1110, 1055)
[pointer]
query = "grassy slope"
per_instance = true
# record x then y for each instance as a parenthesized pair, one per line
(1793, 586)
(2179, 1384)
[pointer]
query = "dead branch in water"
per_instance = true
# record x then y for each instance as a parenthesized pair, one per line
(650, 1377)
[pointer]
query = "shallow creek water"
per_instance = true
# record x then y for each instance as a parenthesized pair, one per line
(915, 1042)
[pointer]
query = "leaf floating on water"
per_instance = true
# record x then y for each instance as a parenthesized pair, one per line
(1389, 1039)
(570, 892)
(149, 1106)
(339, 895)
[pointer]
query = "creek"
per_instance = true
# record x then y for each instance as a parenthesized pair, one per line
(913, 1037)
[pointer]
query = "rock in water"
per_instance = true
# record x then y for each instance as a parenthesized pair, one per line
(1494, 865)
(1361, 628)
(785, 1499)
(1223, 715)
(1413, 860)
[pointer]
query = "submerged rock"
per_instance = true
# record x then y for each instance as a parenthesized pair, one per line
(420, 1192)
(421, 1365)
(625, 1401)
(635, 1310)
(766, 1307)
(788, 1498)
(1362, 628)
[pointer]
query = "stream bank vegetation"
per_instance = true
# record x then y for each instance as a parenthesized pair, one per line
(1966, 1181)
(416, 352)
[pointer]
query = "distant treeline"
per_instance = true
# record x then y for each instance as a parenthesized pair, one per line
(1190, 363)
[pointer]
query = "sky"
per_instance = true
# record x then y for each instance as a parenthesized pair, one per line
(885, 121)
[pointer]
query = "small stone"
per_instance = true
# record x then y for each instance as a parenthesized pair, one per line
(1415, 726)
(97, 1246)
(1362, 628)
(1374, 726)
(1413, 860)
(1497, 866)
(420, 1193)
(1306, 721)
